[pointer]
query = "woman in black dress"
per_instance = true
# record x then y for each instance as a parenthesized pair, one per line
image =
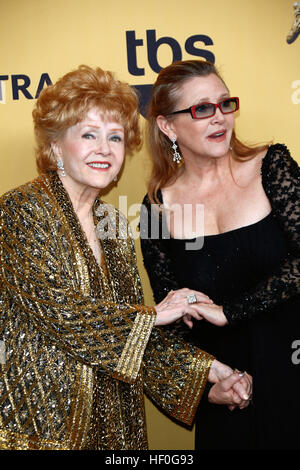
(224, 219)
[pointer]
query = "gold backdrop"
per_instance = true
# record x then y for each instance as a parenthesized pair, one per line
(40, 40)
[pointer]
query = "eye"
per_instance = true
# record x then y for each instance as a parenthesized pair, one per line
(227, 103)
(202, 108)
(88, 136)
(116, 138)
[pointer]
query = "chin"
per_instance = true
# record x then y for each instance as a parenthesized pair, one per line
(219, 153)
(100, 182)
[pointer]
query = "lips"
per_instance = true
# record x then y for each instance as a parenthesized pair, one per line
(218, 136)
(99, 165)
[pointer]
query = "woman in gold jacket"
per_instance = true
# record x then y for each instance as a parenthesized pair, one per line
(77, 346)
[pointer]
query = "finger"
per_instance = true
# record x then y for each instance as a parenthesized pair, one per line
(246, 380)
(200, 296)
(241, 391)
(188, 322)
(203, 299)
(244, 405)
(187, 319)
(192, 312)
(246, 384)
(249, 380)
(236, 399)
(201, 308)
(230, 381)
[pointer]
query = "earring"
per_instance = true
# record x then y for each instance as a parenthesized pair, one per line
(176, 155)
(60, 166)
(115, 178)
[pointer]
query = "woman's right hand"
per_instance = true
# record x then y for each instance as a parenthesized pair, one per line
(175, 306)
(223, 393)
(231, 388)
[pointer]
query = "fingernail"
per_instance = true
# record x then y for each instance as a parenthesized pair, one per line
(246, 397)
(241, 374)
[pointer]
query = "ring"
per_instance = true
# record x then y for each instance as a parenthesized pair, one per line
(191, 299)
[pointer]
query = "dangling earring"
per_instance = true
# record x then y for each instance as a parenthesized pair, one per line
(176, 155)
(115, 178)
(60, 166)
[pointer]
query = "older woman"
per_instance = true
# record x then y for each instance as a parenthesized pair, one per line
(73, 330)
(229, 227)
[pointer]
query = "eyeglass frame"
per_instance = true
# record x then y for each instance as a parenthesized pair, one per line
(191, 109)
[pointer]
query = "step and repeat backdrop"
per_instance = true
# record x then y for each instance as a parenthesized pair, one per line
(253, 43)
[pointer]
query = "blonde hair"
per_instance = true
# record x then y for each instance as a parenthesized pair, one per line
(165, 93)
(68, 101)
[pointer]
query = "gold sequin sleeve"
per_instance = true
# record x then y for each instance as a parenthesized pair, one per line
(175, 374)
(44, 279)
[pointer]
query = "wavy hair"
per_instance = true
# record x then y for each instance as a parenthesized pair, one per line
(165, 93)
(68, 101)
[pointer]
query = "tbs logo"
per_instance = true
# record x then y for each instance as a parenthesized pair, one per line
(152, 47)
(153, 44)
(21, 86)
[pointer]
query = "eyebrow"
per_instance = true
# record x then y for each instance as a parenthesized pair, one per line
(207, 100)
(94, 126)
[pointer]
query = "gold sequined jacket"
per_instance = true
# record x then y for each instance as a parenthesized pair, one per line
(77, 347)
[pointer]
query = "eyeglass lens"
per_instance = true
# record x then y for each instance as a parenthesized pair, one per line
(208, 109)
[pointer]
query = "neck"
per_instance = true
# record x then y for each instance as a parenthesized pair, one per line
(210, 169)
(82, 197)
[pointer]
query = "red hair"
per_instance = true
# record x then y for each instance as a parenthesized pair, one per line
(68, 101)
(165, 93)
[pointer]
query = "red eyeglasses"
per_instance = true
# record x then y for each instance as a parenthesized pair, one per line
(206, 110)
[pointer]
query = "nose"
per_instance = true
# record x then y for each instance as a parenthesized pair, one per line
(218, 116)
(103, 147)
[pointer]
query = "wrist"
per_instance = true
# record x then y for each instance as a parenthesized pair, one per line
(212, 375)
(218, 371)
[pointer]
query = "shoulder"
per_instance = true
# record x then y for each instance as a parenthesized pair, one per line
(24, 211)
(280, 175)
(17, 191)
(147, 201)
(27, 195)
(151, 207)
(277, 159)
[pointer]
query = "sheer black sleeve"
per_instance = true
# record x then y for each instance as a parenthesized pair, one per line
(281, 182)
(153, 232)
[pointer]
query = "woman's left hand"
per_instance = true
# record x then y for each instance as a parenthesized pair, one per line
(212, 313)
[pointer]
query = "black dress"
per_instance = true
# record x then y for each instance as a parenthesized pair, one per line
(230, 268)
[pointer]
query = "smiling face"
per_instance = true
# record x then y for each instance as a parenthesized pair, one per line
(92, 152)
(209, 137)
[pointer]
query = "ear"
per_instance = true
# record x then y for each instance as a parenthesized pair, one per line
(166, 126)
(56, 149)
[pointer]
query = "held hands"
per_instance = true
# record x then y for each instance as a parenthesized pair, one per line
(231, 388)
(206, 309)
(177, 305)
